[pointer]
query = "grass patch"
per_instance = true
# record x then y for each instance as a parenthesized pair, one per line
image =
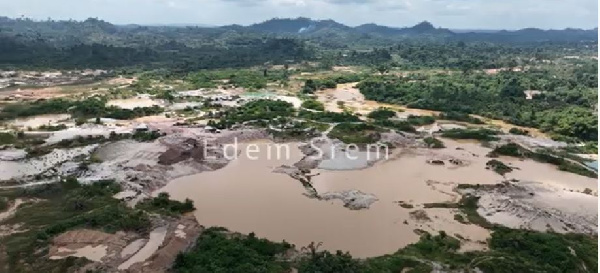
(382, 114)
(3, 204)
(420, 120)
(498, 166)
(358, 133)
(515, 150)
(398, 125)
(481, 134)
(162, 204)
(457, 116)
(328, 117)
(467, 205)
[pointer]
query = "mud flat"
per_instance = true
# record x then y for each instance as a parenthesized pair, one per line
(26, 168)
(87, 130)
(156, 239)
(93, 245)
(533, 205)
(37, 121)
(92, 253)
(139, 101)
(247, 196)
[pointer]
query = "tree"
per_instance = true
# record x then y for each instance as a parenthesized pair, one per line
(383, 68)
(309, 86)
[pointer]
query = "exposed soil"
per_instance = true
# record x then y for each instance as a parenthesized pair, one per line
(536, 206)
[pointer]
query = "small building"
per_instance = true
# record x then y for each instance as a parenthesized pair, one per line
(142, 127)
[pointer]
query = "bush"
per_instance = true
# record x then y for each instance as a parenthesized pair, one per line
(259, 110)
(399, 125)
(326, 262)
(52, 127)
(7, 138)
(478, 134)
(433, 142)
(163, 205)
(498, 166)
(3, 203)
(355, 133)
(420, 120)
(382, 114)
(314, 105)
(216, 251)
(517, 131)
(328, 117)
(460, 117)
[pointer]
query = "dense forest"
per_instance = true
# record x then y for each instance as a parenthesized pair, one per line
(95, 43)
(567, 107)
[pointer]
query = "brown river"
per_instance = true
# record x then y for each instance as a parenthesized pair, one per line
(246, 196)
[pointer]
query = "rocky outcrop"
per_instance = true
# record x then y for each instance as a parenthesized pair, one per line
(353, 199)
(189, 148)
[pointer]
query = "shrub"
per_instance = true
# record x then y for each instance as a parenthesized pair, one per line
(314, 105)
(433, 142)
(382, 113)
(478, 134)
(420, 120)
(517, 131)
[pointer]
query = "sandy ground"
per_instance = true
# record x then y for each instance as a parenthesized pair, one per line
(11, 210)
(128, 252)
(156, 239)
(138, 101)
(94, 245)
(37, 121)
(533, 205)
(33, 93)
(355, 101)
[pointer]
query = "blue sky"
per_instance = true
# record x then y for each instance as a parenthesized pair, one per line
(465, 14)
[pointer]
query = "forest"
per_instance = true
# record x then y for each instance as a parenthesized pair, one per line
(566, 108)
(94, 43)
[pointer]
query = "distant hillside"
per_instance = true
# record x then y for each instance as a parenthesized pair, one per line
(423, 28)
(97, 43)
(298, 26)
(306, 27)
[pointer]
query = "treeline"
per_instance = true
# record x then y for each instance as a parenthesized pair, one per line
(95, 43)
(93, 107)
(39, 54)
(510, 251)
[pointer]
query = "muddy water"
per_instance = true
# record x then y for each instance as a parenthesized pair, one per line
(246, 196)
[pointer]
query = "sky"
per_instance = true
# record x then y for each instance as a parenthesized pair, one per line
(455, 14)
